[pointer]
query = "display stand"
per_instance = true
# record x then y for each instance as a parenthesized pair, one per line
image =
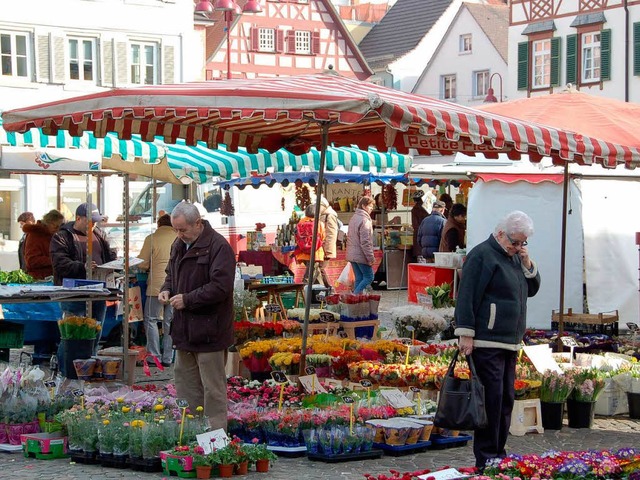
(350, 327)
(526, 417)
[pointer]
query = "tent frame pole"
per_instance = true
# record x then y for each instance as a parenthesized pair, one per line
(563, 252)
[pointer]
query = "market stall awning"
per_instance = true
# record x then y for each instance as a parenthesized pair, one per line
(528, 177)
(311, 178)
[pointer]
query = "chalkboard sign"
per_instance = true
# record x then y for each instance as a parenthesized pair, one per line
(343, 334)
(414, 389)
(272, 308)
(327, 317)
(77, 393)
(182, 402)
(409, 328)
(50, 383)
(632, 326)
(569, 341)
(406, 341)
(366, 383)
(321, 295)
(279, 377)
(309, 370)
(347, 399)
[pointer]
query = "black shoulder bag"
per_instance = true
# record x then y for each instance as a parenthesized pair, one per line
(461, 404)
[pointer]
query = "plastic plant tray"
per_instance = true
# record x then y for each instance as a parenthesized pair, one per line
(291, 452)
(438, 442)
(345, 457)
(397, 450)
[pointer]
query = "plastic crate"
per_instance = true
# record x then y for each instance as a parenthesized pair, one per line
(11, 335)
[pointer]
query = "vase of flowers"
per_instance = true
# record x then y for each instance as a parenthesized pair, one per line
(580, 405)
(555, 388)
(77, 336)
(426, 323)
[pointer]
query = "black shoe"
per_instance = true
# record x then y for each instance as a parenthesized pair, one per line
(166, 364)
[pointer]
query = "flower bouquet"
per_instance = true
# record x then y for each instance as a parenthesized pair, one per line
(78, 328)
(555, 387)
(426, 323)
(285, 361)
(588, 383)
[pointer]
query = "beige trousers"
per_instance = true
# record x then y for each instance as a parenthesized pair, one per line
(201, 380)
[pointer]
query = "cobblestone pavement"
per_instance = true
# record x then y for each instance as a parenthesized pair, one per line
(607, 433)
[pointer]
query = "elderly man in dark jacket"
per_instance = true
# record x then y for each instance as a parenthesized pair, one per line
(430, 231)
(491, 316)
(199, 287)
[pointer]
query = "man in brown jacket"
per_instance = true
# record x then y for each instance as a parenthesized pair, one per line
(199, 287)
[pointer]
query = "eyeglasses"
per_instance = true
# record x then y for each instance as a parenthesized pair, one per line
(516, 243)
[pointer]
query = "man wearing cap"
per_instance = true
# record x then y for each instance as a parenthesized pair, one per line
(69, 256)
(418, 214)
(430, 231)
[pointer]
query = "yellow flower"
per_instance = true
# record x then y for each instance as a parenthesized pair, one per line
(126, 409)
(105, 422)
(199, 408)
(120, 399)
(190, 416)
(88, 417)
(158, 408)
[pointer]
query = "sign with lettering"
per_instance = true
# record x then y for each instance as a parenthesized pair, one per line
(343, 334)
(423, 142)
(77, 393)
(632, 326)
(309, 370)
(182, 402)
(569, 341)
(366, 383)
(279, 376)
(50, 383)
(327, 317)
(214, 439)
(414, 389)
(396, 398)
(272, 308)
(311, 384)
(347, 399)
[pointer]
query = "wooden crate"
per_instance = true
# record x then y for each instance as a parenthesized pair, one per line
(605, 322)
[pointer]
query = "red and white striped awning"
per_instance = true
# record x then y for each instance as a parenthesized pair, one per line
(289, 111)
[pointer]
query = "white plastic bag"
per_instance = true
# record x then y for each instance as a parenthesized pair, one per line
(346, 278)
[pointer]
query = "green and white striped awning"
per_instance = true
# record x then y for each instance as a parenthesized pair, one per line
(199, 163)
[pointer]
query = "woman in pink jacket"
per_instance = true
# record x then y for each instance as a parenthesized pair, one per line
(360, 244)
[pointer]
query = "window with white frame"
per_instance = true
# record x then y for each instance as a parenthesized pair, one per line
(303, 42)
(590, 57)
(448, 87)
(465, 43)
(82, 59)
(266, 40)
(480, 83)
(144, 63)
(541, 63)
(14, 55)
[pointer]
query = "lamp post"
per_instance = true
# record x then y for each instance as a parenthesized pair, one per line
(491, 98)
(229, 8)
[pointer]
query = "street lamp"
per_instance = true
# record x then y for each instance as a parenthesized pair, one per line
(491, 98)
(229, 9)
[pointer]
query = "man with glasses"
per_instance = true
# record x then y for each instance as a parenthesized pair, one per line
(497, 278)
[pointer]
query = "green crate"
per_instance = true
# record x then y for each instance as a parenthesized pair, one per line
(288, 300)
(11, 335)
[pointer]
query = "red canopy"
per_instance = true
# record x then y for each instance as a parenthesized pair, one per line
(291, 112)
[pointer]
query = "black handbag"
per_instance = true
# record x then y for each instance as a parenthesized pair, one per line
(461, 405)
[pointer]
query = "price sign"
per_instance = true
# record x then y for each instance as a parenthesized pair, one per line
(347, 399)
(632, 326)
(569, 341)
(321, 296)
(279, 376)
(343, 334)
(327, 317)
(50, 383)
(272, 308)
(406, 341)
(366, 383)
(414, 389)
(182, 402)
(409, 328)
(77, 393)
(309, 370)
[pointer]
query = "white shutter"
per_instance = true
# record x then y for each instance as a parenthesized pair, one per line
(43, 59)
(122, 64)
(168, 61)
(107, 63)
(59, 59)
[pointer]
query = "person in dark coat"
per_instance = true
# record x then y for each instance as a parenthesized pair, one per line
(453, 234)
(448, 203)
(25, 218)
(497, 278)
(37, 244)
(199, 287)
(418, 214)
(430, 231)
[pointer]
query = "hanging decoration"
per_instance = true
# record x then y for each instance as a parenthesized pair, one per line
(226, 207)
(303, 197)
(390, 197)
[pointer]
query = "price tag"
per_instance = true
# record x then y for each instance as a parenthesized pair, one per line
(632, 326)
(279, 377)
(215, 439)
(77, 393)
(182, 402)
(343, 334)
(50, 383)
(396, 398)
(347, 399)
(321, 296)
(327, 317)
(272, 308)
(366, 383)
(414, 389)
(311, 384)
(409, 328)
(569, 341)
(406, 341)
(309, 370)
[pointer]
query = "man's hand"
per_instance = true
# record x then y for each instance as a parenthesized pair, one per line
(177, 302)
(524, 256)
(163, 297)
(465, 344)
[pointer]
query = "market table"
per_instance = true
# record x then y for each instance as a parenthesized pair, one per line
(333, 268)
(423, 275)
(272, 293)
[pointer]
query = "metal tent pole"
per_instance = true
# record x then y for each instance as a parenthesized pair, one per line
(125, 287)
(563, 251)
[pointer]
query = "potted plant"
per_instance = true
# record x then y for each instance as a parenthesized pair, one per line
(228, 456)
(426, 323)
(555, 388)
(321, 362)
(77, 336)
(259, 455)
(202, 462)
(588, 383)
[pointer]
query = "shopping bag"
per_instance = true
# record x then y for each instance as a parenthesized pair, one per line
(461, 405)
(135, 305)
(346, 278)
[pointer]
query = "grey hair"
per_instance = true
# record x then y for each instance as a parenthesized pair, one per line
(310, 211)
(187, 210)
(515, 222)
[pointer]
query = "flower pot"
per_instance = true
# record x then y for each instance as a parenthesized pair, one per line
(634, 404)
(3, 433)
(262, 465)
(226, 471)
(14, 430)
(72, 350)
(203, 471)
(84, 368)
(580, 413)
(552, 413)
(242, 468)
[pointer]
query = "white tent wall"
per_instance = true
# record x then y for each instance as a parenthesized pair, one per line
(490, 201)
(611, 254)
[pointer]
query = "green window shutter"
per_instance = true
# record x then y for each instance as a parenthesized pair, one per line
(555, 61)
(605, 55)
(572, 66)
(523, 65)
(636, 48)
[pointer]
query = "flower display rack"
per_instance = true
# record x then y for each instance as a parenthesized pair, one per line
(440, 442)
(399, 450)
(345, 457)
(44, 446)
(288, 452)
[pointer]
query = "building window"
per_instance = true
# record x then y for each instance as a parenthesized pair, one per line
(82, 59)
(266, 40)
(14, 55)
(465, 43)
(448, 87)
(541, 63)
(590, 57)
(481, 83)
(303, 42)
(144, 63)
